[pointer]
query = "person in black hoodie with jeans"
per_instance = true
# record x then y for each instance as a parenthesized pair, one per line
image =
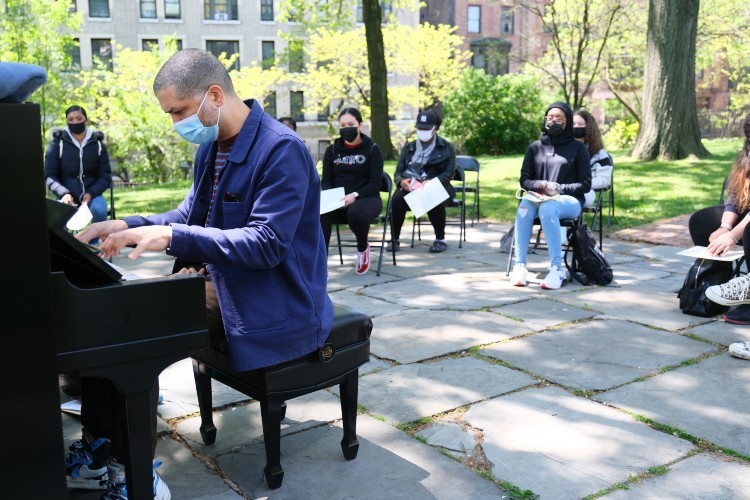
(555, 165)
(355, 163)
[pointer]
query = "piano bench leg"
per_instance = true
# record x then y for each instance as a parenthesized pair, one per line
(203, 390)
(283, 411)
(348, 390)
(270, 411)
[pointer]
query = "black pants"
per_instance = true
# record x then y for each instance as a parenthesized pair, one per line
(358, 215)
(707, 220)
(102, 414)
(399, 207)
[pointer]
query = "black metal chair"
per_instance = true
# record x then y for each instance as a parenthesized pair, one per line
(384, 218)
(458, 201)
(471, 164)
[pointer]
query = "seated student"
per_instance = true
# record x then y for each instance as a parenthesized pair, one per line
(586, 130)
(289, 122)
(427, 158)
(355, 163)
(556, 164)
(721, 228)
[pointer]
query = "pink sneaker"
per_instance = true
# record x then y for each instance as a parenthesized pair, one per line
(363, 261)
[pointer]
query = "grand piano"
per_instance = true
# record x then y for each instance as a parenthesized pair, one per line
(70, 311)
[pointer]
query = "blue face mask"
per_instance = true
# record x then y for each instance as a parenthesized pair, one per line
(192, 129)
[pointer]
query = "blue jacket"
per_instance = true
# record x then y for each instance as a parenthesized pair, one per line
(263, 244)
(75, 170)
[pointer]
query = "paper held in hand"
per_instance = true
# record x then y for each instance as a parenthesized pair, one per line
(702, 253)
(331, 199)
(426, 198)
(81, 218)
(535, 196)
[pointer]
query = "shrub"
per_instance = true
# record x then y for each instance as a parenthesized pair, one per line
(621, 135)
(493, 114)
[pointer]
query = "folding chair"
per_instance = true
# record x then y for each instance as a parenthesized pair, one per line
(111, 211)
(458, 201)
(470, 164)
(384, 218)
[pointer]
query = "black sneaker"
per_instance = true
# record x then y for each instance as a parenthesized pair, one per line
(740, 315)
(438, 246)
(393, 247)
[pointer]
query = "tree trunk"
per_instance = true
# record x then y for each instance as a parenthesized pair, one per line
(669, 122)
(381, 129)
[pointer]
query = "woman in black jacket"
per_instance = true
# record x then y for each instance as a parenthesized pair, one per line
(76, 164)
(355, 163)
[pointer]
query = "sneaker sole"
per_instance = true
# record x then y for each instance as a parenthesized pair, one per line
(545, 287)
(87, 484)
(739, 354)
(715, 297)
(734, 321)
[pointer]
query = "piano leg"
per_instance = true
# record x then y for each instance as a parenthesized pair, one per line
(348, 390)
(139, 469)
(270, 410)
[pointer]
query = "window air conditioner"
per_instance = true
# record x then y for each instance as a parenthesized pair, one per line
(221, 16)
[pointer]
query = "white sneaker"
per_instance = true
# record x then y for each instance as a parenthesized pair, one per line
(518, 276)
(556, 278)
(732, 293)
(740, 350)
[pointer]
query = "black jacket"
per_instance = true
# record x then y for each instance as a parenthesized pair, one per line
(440, 164)
(71, 169)
(562, 159)
(358, 169)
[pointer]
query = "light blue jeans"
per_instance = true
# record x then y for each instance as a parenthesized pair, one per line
(549, 213)
(98, 207)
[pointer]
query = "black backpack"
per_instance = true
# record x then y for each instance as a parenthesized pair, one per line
(703, 274)
(588, 267)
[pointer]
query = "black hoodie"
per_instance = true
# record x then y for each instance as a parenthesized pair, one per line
(561, 159)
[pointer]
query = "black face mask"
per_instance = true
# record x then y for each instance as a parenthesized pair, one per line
(555, 129)
(579, 132)
(349, 133)
(77, 128)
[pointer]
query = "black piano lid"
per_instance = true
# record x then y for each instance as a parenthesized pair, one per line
(82, 266)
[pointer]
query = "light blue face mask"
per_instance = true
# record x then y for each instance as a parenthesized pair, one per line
(192, 129)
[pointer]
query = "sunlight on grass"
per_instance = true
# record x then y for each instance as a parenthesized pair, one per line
(644, 191)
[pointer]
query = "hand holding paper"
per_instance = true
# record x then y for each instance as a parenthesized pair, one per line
(331, 199)
(425, 199)
(81, 218)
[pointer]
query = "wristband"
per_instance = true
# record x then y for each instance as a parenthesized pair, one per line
(733, 238)
(726, 226)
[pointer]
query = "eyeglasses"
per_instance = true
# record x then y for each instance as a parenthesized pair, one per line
(553, 119)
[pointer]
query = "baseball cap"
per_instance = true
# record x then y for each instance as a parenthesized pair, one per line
(426, 119)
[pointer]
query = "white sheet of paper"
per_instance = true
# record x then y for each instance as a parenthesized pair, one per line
(426, 198)
(702, 253)
(331, 199)
(81, 218)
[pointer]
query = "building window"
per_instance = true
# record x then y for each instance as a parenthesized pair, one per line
(172, 9)
(101, 52)
(266, 10)
(475, 19)
(228, 47)
(149, 44)
(269, 104)
(179, 45)
(386, 7)
(98, 8)
(268, 54)
(296, 57)
(74, 50)
(73, 7)
(322, 147)
(506, 21)
(324, 113)
(220, 10)
(296, 105)
(148, 9)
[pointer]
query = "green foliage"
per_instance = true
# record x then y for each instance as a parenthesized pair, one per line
(493, 114)
(139, 135)
(621, 134)
(39, 32)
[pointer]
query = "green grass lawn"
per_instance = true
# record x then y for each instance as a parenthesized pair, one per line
(644, 191)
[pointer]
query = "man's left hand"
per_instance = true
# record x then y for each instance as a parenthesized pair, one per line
(151, 238)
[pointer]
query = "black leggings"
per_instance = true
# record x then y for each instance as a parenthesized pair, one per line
(707, 220)
(358, 215)
(399, 207)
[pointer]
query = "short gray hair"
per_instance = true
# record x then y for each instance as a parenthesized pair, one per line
(191, 72)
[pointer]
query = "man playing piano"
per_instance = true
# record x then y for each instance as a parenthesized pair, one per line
(249, 223)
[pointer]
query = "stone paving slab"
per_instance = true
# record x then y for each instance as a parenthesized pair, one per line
(708, 400)
(451, 437)
(540, 314)
(625, 274)
(597, 355)
(561, 446)
(419, 335)
(356, 298)
(704, 476)
(390, 464)
(721, 332)
(652, 302)
(665, 253)
(408, 392)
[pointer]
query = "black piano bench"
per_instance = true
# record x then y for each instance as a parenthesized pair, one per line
(337, 362)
